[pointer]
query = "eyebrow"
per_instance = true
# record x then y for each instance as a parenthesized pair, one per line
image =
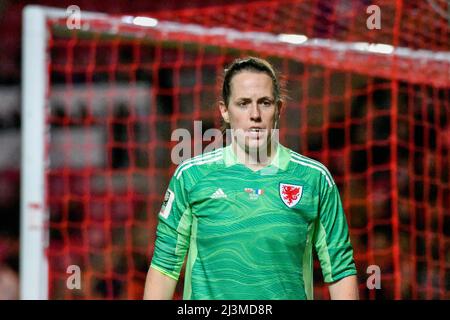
(260, 99)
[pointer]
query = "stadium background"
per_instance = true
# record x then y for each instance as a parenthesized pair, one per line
(384, 134)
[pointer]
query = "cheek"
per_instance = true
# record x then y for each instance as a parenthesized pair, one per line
(269, 116)
(236, 118)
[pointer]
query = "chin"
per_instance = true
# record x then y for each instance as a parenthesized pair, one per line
(254, 145)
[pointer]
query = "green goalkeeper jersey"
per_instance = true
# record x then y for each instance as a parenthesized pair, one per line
(249, 234)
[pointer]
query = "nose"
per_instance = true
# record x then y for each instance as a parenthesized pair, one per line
(255, 113)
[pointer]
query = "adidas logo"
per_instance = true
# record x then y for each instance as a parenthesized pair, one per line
(218, 194)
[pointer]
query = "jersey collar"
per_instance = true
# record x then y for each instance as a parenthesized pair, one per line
(281, 159)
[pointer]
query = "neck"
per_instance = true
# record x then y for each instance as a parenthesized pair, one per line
(255, 159)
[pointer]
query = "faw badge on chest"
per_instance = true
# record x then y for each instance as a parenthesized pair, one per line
(290, 194)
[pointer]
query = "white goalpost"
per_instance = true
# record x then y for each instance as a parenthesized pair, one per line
(33, 234)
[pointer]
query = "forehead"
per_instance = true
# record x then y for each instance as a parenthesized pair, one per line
(250, 83)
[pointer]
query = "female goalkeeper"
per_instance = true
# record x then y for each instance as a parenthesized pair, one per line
(248, 215)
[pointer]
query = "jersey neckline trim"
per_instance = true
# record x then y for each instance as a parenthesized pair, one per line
(280, 160)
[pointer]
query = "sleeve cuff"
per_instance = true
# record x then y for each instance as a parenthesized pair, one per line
(341, 275)
(170, 275)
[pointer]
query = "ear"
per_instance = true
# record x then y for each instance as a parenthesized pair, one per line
(224, 111)
(280, 107)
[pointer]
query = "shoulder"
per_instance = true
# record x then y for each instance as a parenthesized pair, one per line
(202, 163)
(314, 168)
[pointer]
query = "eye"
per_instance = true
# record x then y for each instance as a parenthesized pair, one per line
(266, 103)
(242, 104)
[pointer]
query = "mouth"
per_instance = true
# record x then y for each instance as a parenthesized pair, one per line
(256, 132)
(256, 129)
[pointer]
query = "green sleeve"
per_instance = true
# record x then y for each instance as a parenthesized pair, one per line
(173, 231)
(331, 237)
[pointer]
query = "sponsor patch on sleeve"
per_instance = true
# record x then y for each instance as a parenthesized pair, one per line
(167, 204)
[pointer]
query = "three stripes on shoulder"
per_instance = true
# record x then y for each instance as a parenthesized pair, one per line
(217, 155)
(304, 161)
(212, 156)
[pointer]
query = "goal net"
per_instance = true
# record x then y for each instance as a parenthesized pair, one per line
(101, 100)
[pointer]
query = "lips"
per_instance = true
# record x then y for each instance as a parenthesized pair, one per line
(255, 132)
(255, 129)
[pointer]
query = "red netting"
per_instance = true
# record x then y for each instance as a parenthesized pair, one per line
(118, 91)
